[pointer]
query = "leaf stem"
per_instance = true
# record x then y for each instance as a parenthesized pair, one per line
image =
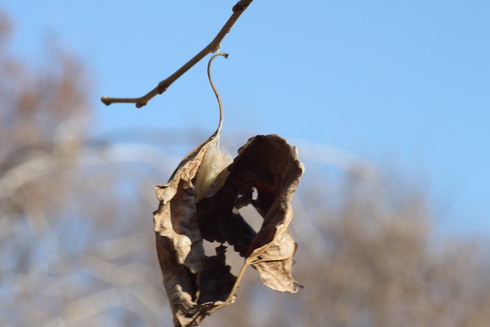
(220, 104)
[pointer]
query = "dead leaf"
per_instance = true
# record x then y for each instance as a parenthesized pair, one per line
(201, 201)
(271, 166)
(179, 241)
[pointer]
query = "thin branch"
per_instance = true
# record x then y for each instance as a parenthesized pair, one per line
(238, 9)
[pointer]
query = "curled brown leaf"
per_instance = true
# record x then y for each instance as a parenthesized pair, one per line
(191, 211)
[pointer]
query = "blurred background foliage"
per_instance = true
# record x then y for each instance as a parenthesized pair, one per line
(76, 230)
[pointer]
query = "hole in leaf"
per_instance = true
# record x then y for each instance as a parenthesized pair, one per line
(255, 193)
(210, 247)
(250, 214)
(252, 217)
(233, 259)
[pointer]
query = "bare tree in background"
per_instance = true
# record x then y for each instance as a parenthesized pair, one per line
(72, 255)
(77, 245)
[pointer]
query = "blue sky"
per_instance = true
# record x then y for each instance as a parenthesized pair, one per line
(403, 83)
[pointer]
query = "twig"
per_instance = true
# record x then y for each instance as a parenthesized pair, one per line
(238, 9)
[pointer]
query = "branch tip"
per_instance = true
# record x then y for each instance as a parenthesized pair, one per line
(106, 100)
(241, 5)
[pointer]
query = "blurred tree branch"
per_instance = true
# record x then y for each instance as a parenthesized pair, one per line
(213, 46)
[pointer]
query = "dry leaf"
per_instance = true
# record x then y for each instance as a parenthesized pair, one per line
(201, 201)
(269, 165)
(178, 238)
